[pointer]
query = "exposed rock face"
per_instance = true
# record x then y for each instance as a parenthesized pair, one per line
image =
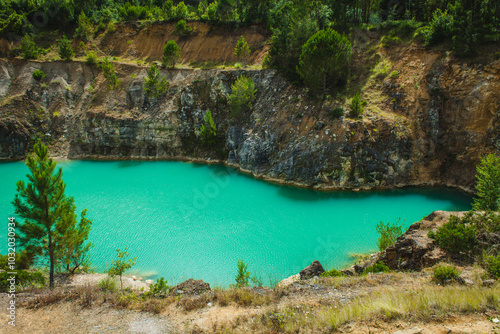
(411, 141)
(314, 269)
(191, 287)
(414, 250)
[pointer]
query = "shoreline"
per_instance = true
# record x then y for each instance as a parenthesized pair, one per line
(266, 178)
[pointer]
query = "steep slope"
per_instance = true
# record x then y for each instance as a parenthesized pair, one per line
(427, 125)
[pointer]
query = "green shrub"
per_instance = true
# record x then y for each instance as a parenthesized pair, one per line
(323, 59)
(38, 75)
(182, 29)
(242, 50)
(337, 112)
(356, 106)
(444, 272)
(388, 233)
(379, 267)
(28, 48)
(130, 12)
(23, 260)
(65, 50)
(159, 288)
(180, 11)
(389, 41)
(84, 30)
(91, 58)
(488, 184)
(492, 264)
(107, 284)
(154, 85)
(101, 27)
(394, 74)
(108, 69)
(23, 279)
(440, 28)
(242, 96)
(457, 236)
(208, 130)
(332, 273)
(111, 27)
(171, 54)
(242, 277)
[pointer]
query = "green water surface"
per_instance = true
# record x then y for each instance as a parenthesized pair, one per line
(186, 220)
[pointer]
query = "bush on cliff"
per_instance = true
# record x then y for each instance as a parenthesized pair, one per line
(28, 48)
(457, 236)
(388, 233)
(154, 85)
(208, 131)
(38, 75)
(65, 50)
(379, 267)
(488, 184)
(242, 96)
(171, 54)
(332, 273)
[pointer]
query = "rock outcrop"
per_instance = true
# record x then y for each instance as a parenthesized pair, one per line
(314, 269)
(433, 135)
(190, 287)
(414, 250)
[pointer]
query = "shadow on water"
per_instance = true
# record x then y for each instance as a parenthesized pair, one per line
(129, 163)
(460, 200)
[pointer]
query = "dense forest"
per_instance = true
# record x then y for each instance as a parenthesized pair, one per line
(462, 24)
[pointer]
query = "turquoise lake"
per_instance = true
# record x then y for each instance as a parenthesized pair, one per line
(185, 220)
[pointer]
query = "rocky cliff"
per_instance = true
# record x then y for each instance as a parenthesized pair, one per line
(429, 125)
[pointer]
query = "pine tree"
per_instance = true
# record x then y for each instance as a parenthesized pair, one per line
(84, 29)
(65, 50)
(242, 50)
(154, 85)
(242, 96)
(323, 59)
(488, 184)
(50, 226)
(122, 264)
(171, 53)
(243, 275)
(208, 130)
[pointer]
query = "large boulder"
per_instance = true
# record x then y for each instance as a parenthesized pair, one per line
(414, 250)
(191, 287)
(314, 269)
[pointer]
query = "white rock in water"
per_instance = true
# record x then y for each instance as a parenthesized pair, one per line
(148, 281)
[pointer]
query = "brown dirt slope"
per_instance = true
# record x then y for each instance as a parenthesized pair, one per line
(206, 44)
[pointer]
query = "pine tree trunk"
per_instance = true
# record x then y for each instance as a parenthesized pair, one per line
(324, 84)
(51, 259)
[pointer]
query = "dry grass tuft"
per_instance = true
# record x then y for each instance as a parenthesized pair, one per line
(194, 303)
(247, 296)
(422, 303)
